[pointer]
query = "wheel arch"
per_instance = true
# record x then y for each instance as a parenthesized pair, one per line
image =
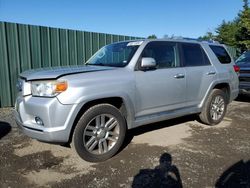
(119, 102)
(225, 86)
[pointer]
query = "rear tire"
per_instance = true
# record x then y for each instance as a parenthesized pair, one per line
(215, 108)
(100, 133)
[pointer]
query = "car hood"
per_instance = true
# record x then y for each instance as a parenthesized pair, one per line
(57, 72)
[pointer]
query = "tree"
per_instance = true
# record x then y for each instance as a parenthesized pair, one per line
(207, 37)
(243, 34)
(234, 33)
(152, 36)
(245, 6)
(226, 33)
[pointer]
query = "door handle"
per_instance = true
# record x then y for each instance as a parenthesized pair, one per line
(178, 76)
(211, 73)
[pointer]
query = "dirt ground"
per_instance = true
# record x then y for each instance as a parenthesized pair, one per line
(175, 153)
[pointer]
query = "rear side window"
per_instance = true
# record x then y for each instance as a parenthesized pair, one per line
(221, 54)
(194, 55)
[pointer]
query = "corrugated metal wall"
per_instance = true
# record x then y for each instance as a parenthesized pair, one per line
(25, 47)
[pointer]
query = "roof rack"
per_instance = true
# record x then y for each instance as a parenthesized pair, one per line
(205, 41)
(210, 41)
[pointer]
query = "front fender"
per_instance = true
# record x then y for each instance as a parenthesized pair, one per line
(126, 100)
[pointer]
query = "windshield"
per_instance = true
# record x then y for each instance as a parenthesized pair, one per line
(244, 58)
(115, 55)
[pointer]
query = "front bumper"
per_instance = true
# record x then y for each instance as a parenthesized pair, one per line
(57, 118)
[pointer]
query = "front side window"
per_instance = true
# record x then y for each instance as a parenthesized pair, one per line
(115, 55)
(194, 55)
(221, 54)
(164, 53)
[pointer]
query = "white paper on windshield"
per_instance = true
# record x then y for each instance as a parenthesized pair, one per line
(136, 43)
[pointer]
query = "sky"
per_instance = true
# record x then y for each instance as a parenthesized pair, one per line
(141, 18)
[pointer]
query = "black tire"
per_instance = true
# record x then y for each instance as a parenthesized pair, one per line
(205, 116)
(86, 121)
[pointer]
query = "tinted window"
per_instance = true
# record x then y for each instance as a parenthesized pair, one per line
(164, 53)
(221, 54)
(244, 59)
(194, 55)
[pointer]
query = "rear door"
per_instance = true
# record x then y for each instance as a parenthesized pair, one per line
(199, 72)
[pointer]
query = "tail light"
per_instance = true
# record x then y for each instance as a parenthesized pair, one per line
(236, 68)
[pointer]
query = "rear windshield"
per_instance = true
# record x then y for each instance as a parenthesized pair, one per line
(221, 54)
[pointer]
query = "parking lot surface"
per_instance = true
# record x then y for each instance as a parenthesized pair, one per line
(175, 153)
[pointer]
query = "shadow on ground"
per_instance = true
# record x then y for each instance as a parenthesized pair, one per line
(5, 128)
(156, 126)
(237, 175)
(164, 175)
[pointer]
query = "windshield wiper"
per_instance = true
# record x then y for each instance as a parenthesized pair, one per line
(107, 65)
(97, 64)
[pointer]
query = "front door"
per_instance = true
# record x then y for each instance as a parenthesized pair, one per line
(162, 89)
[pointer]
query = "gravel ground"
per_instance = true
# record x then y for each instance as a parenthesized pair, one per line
(176, 153)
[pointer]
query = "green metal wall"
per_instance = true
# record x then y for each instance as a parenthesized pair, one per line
(25, 47)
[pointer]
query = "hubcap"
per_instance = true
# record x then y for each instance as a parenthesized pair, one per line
(217, 108)
(101, 134)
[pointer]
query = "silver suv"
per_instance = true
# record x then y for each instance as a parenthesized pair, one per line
(122, 86)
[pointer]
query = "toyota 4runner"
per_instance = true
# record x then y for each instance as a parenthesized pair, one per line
(122, 86)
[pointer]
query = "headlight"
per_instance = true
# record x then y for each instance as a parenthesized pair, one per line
(48, 88)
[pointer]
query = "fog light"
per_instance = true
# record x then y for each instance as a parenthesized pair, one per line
(39, 121)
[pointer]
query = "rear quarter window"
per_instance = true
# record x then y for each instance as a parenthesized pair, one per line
(221, 54)
(194, 55)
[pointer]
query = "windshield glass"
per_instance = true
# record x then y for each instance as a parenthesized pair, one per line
(244, 58)
(115, 55)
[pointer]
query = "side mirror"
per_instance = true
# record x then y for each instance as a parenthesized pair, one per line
(148, 63)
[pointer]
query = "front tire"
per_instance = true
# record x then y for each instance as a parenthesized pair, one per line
(100, 133)
(215, 108)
